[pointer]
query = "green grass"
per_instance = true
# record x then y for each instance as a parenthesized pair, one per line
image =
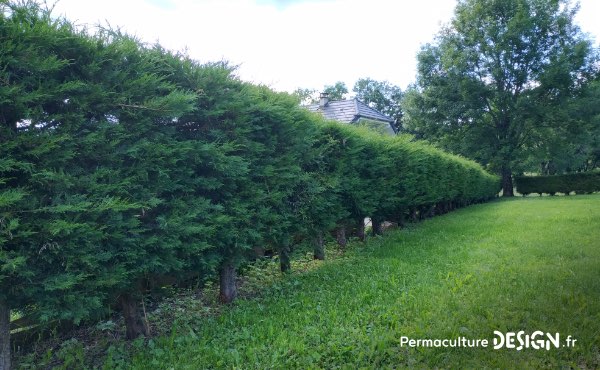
(523, 264)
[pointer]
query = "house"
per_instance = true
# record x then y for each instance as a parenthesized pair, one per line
(353, 111)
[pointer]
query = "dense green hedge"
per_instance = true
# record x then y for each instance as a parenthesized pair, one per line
(125, 167)
(587, 182)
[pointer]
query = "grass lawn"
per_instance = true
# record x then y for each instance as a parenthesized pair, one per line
(524, 264)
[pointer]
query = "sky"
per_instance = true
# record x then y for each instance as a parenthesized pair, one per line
(287, 44)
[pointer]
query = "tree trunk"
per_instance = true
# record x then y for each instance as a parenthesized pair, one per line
(507, 182)
(442, 208)
(376, 226)
(259, 252)
(414, 215)
(227, 288)
(431, 211)
(284, 257)
(319, 252)
(340, 236)
(401, 220)
(360, 231)
(4, 336)
(135, 324)
(422, 212)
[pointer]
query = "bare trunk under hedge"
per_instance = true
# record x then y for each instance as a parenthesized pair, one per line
(376, 226)
(135, 325)
(4, 336)
(319, 247)
(284, 258)
(227, 288)
(360, 232)
(340, 236)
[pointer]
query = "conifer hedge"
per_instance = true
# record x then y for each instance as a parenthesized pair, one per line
(580, 183)
(125, 167)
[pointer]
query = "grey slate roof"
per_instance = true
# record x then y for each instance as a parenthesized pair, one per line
(349, 111)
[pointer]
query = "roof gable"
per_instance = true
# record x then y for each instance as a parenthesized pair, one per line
(349, 111)
(365, 111)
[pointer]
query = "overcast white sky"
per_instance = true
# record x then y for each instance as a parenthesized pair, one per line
(291, 43)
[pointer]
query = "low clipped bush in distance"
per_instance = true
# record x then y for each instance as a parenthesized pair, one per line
(580, 183)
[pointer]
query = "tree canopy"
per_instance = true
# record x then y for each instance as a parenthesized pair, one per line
(336, 91)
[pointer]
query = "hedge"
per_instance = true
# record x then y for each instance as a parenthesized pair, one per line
(125, 168)
(580, 183)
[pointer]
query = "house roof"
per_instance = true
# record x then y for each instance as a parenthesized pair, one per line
(349, 111)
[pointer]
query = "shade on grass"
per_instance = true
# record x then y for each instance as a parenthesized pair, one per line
(524, 264)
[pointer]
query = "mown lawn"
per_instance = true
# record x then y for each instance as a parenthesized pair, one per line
(524, 264)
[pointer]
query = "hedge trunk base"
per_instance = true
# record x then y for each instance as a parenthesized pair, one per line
(227, 288)
(319, 252)
(135, 325)
(401, 221)
(4, 336)
(340, 236)
(377, 229)
(284, 259)
(360, 231)
(414, 215)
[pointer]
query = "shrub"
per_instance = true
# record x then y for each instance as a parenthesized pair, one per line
(580, 183)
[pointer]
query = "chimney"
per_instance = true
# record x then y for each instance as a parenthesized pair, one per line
(323, 99)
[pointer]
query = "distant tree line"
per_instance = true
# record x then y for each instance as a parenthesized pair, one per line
(125, 167)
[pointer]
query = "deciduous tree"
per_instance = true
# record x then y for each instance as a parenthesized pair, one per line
(336, 91)
(485, 82)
